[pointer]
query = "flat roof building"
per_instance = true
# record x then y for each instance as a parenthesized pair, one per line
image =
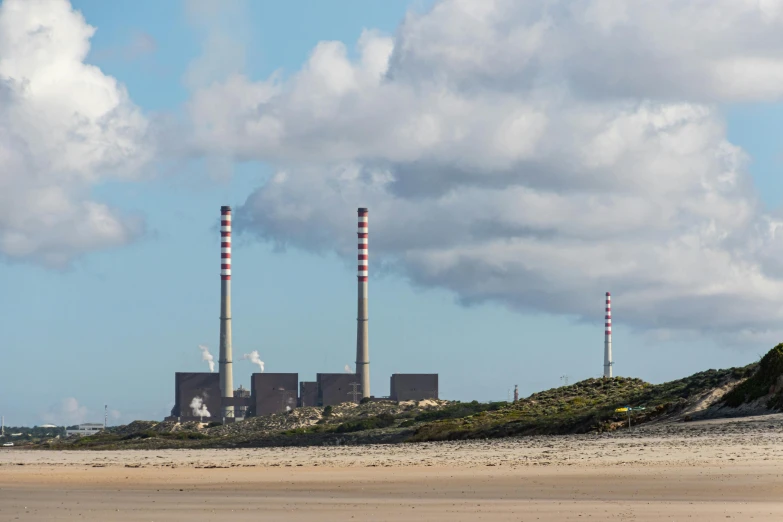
(413, 386)
(197, 396)
(88, 428)
(337, 388)
(308, 393)
(273, 392)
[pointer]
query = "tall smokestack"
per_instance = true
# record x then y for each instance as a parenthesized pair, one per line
(362, 343)
(226, 370)
(608, 337)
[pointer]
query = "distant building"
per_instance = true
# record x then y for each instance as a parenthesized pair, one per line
(89, 428)
(241, 410)
(273, 392)
(308, 393)
(337, 388)
(202, 387)
(414, 386)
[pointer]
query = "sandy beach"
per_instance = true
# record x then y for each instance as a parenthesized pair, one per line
(707, 470)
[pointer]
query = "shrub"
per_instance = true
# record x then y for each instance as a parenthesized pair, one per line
(328, 411)
(459, 410)
(384, 420)
(306, 430)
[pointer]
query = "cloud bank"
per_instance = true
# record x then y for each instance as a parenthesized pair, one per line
(65, 127)
(531, 153)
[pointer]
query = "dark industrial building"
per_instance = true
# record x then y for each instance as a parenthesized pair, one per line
(336, 388)
(273, 392)
(187, 386)
(308, 393)
(413, 386)
(243, 402)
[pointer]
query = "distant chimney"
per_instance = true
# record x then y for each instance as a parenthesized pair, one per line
(362, 342)
(226, 369)
(608, 337)
(516, 392)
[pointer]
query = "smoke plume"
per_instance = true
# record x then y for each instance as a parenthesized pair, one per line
(206, 356)
(348, 368)
(254, 358)
(199, 408)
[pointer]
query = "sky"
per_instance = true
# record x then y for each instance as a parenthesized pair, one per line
(518, 159)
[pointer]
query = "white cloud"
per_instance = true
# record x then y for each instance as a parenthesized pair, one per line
(666, 49)
(67, 413)
(64, 128)
(223, 26)
(532, 153)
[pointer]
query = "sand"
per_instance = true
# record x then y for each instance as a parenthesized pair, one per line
(714, 470)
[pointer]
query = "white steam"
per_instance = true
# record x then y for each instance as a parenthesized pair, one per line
(348, 368)
(199, 408)
(206, 356)
(254, 358)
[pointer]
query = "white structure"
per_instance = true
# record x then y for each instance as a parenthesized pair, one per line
(608, 337)
(89, 428)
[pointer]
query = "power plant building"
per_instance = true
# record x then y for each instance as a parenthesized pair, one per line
(273, 392)
(241, 402)
(197, 385)
(308, 393)
(337, 388)
(413, 386)
(212, 397)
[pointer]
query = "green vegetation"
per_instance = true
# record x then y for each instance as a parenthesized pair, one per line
(580, 408)
(317, 428)
(100, 439)
(24, 435)
(762, 382)
(328, 411)
(177, 435)
(458, 410)
(108, 440)
(384, 420)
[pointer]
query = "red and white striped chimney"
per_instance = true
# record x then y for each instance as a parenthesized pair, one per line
(608, 337)
(362, 343)
(225, 243)
(225, 364)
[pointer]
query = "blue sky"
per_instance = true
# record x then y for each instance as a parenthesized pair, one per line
(113, 325)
